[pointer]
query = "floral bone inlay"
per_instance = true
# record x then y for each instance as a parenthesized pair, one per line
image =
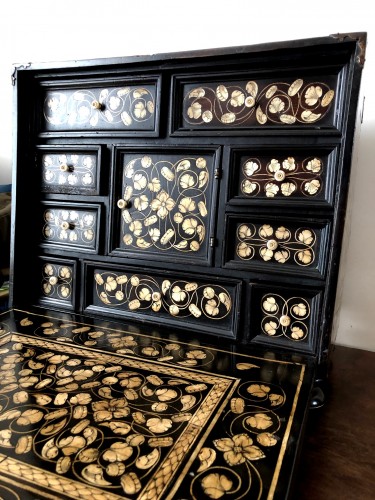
(127, 107)
(277, 244)
(180, 299)
(285, 317)
(165, 206)
(251, 103)
(69, 169)
(70, 226)
(281, 177)
(57, 281)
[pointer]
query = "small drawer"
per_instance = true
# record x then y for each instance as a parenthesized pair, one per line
(198, 304)
(285, 316)
(74, 226)
(57, 282)
(283, 176)
(278, 245)
(124, 106)
(70, 170)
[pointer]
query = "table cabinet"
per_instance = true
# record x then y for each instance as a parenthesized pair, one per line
(198, 194)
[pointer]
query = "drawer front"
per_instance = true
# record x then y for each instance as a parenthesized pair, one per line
(70, 170)
(240, 102)
(277, 245)
(205, 305)
(128, 106)
(166, 205)
(57, 282)
(71, 225)
(283, 176)
(286, 317)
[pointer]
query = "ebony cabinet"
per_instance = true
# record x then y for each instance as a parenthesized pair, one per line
(179, 216)
(202, 190)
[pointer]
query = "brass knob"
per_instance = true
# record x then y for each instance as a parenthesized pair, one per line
(122, 203)
(65, 225)
(65, 168)
(53, 280)
(272, 244)
(96, 105)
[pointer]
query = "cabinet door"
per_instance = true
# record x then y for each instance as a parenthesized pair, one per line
(164, 204)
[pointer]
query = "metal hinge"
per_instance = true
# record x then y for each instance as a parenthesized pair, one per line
(16, 68)
(212, 241)
(217, 173)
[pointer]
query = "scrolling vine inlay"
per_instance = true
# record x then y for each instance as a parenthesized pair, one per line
(276, 244)
(285, 317)
(176, 298)
(166, 207)
(254, 103)
(131, 107)
(281, 177)
(57, 281)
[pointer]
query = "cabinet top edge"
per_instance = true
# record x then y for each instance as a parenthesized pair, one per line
(357, 38)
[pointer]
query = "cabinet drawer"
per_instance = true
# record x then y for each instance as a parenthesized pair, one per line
(125, 106)
(285, 176)
(204, 304)
(70, 170)
(277, 244)
(74, 226)
(165, 204)
(57, 279)
(285, 316)
(240, 101)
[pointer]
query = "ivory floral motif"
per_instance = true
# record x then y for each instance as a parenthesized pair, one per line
(275, 244)
(281, 177)
(127, 106)
(169, 207)
(73, 227)
(251, 103)
(57, 281)
(79, 171)
(176, 298)
(285, 317)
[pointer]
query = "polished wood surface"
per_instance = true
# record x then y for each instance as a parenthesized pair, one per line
(338, 458)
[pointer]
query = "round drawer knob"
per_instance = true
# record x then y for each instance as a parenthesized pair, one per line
(279, 175)
(122, 204)
(272, 244)
(53, 280)
(96, 105)
(285, 320)
(64, 168)
(65, 225)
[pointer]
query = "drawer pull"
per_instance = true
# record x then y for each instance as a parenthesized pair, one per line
(123, 204)
(66, 225)
(272, 244)
(285, 320)
(65, 168)
(96, 105)
(53, 280)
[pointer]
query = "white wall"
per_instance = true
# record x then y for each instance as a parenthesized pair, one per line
(45, 30)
